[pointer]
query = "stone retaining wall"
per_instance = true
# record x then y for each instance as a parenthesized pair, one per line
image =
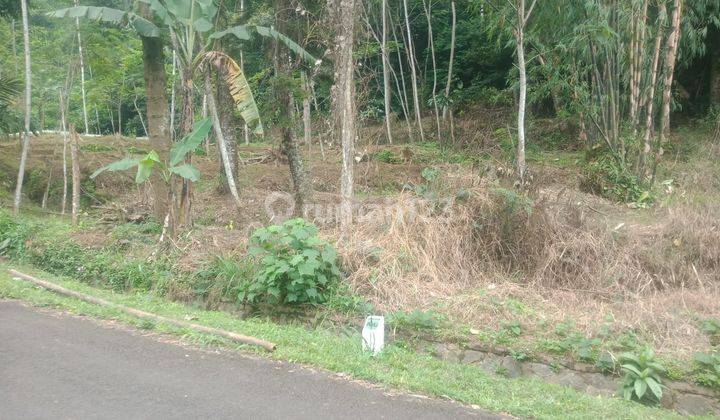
(685, 398)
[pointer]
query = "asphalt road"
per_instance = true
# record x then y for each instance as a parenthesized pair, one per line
(56, 366)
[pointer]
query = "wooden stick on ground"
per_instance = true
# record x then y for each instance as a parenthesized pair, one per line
(145, 315)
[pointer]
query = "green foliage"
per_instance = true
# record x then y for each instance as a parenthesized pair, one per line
(349, 304)
(222, 279)
(387, 156)
(12, 235)
(513, 328)
(711, 327)
(606, 177)
(294, 266)
(178, 152)
(106, 14)
(708, 369)
(641, 381)
(415, 322)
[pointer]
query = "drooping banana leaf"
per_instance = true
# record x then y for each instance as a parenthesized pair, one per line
(106, 14)
(243, 32)
(240, 91)
(9, 88)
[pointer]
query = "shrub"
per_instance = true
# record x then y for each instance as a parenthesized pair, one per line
(294, 266)
(642, 381)
(605, 177)
(708, 369)
(387, 156)
(12, 235)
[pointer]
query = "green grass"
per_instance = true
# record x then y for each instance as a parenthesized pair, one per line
(396, 367)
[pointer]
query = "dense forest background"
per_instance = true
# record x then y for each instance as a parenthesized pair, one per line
(558, 33)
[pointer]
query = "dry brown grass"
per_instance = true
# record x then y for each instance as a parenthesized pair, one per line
(564, 255)
(561, 256)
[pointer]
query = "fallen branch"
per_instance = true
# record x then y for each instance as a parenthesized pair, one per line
(145, 315)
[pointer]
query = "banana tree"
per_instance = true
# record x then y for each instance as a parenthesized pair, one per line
(175, 165)
(189, 25)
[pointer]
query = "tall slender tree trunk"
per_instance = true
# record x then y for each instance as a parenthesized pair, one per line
(522, 18)
(228, 122)
(650, 94)
(157, 115)
(188, 114)
(431, 41)
(307, 123)
(28, 91)
(301, 186)
(386, 71)
(224, 154)
(82, 72)
(413, 72)
(75, 159)
(63, 201)
(669, 72)
(139, 114)
(172, 96)
(401, 84)
(344, 102)
(452, 57)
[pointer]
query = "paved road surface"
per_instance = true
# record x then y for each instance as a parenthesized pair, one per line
(55, 366)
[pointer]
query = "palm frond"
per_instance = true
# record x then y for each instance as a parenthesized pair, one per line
(9, 88)
(239, 88)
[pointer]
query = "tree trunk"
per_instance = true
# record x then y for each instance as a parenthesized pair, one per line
(224, 154)
(307, 122)
(301, 186)
(28, 91)
(82, 72)
(520, 41)
(172, 96)
(431, 41)
(43, 205)
(344, 102)
(670, 56)
(386, 71)
(401, 84)
(75, 158)
(139, 114)
(157, 115)
(63, 201)
(650, 95)
(188, 114)
(229, 123)
(452, 58)
(413, 72)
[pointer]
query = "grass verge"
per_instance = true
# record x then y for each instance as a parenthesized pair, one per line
(396, 367)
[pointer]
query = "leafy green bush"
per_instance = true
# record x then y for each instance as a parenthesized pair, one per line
(642, 381)
(711, 327)
(12, 235)
(294, 266)
(387, 156)
(708, 369)
(605, 177)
